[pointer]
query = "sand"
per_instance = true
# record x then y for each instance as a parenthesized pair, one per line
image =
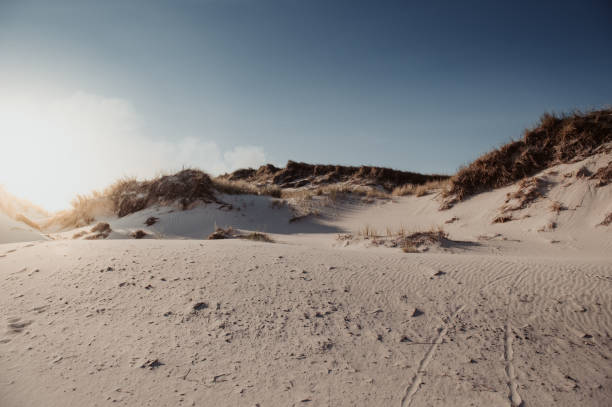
(504, 314)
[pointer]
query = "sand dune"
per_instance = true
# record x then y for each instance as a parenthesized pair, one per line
(517, 313)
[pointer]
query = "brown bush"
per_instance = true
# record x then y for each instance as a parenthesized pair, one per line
(557, 139)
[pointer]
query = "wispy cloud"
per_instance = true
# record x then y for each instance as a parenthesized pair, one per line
(83, 142)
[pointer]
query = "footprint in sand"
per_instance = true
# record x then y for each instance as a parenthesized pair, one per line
(16, 325)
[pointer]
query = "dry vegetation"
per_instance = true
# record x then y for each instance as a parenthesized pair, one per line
(257, 236)
(421, 190)
(100, 231)
(529, 190)
(557, 207)
(556, 139)
(335, 192)
(413, 242)
(241, 187)
(297, 175)
(607, 220)
(603, 176)
(502, 218)
(230, 233)
(409, 242)
(139, 234)
(185, 187)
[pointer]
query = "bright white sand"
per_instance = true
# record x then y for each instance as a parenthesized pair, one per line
(506, 314)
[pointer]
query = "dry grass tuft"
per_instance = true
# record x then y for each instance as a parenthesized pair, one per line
(556, 139)
(139, 234)
(151, 220)
(230, 233)
(529, 190)
(413, 242)
(100, 231)
(80, 234)
(583, 172)
(101, 227)
(607, 220)
(549, 227)
(257, 236)
(241, 187)
(421, 190)
(335, 192)
(220, 233)
(557, 207)
(603, 175)
(502, 219)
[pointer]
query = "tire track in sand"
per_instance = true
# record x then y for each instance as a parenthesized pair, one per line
(515, 398)
(418, 377)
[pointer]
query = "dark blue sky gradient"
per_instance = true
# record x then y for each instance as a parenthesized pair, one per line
(423, 86)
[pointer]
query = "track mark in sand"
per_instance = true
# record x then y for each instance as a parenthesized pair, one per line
(418, 377)
(515, 398)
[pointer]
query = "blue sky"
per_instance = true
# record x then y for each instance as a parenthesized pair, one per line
(408, 85)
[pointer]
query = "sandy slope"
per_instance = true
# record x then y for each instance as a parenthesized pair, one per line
(505, 315)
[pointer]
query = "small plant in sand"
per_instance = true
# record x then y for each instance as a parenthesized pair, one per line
(502, 219)
(549, 227)
(412, 242)
(607, 220)
(419, 190)
(257, 236)
(556, 207)
(230, 233)
(139, 234)
(368, 232)
(528, 191)
(151, 220)
(583, 172)
(452, 220)
(100, 231)
(241, 187)
(603, 175)
(221, 233)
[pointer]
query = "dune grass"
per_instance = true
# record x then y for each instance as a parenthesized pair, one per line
(556, 139)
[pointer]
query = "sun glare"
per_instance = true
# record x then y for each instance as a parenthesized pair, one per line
(43, 151)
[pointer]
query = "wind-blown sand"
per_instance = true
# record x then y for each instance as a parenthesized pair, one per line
(505, 314)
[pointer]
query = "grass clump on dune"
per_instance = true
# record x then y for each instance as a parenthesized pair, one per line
(231, 233)
(556, 139)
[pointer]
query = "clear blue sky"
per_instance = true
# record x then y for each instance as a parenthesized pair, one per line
(424, 86)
